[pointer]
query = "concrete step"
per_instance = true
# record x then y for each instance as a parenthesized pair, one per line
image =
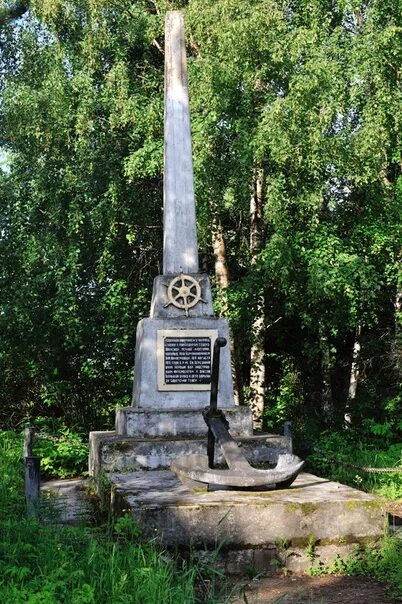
(185, 422)
(69, 499)
(315, 518)
(114, 453)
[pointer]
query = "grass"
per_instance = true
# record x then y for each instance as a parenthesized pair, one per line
(348, 447)
(50, 564)
(46, 563)
(383, 563)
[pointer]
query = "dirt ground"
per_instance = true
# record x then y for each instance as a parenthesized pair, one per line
(312, 590)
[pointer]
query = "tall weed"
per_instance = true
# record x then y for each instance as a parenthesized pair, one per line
(50, 564)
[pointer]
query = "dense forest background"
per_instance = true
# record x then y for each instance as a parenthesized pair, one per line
(296, 113)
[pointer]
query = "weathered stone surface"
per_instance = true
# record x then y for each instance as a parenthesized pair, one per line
(146, 393)
(113, 453)
(180, 250)
(69, 500)
(267, 560)
(142, 423)
(312, 510)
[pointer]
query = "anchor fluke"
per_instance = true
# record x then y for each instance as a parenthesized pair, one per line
(201, 468)
(195, 468)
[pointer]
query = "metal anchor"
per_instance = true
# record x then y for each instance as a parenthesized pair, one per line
(240, 474)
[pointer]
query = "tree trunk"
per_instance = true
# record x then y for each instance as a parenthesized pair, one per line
(257, 366)
(354, 376)
(221, 267)
(256, 211)
(327, 403)
(397, 345)
(223, 281)
(257, 353)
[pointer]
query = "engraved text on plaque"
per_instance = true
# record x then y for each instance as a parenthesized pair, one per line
(185, 358)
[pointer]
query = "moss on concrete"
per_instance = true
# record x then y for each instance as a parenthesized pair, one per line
(307, 508)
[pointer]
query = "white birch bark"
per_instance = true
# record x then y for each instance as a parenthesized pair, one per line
(222, 277)
(257, 353)
(354, 376)
(326, 392)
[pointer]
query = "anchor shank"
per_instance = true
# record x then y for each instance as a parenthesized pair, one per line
(213, 401)
(234, 457)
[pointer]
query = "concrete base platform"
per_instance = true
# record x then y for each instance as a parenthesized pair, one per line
(113, 453)
(70, 500)
(315, 517)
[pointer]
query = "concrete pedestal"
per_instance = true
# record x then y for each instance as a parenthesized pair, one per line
(111, 452)
(164, 423)
(314, 517)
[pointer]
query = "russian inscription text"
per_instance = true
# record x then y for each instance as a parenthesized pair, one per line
(185, 358)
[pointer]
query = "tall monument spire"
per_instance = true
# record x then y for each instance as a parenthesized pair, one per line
(174, 345)
(180, 250)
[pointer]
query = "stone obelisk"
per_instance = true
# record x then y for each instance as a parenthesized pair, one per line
(174, 346)
(180, 250)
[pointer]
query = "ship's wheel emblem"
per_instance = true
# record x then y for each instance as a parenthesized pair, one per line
(184, 292)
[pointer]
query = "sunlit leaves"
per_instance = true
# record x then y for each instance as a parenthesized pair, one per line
(308, 91)
(83, 116)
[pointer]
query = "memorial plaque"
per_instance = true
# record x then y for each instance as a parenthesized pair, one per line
(185, 358)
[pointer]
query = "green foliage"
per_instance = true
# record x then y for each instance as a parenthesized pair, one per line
(298, 94)
(383, 563)
(307, 95)
(77, 110)
(46, 563)
(287, 401)
(352, 447)
(11, 485)
(310, 550)
(63, 452)
(126, 527)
